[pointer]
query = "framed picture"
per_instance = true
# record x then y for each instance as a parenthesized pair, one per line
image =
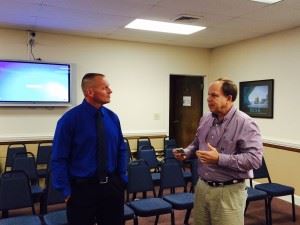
(256, 98)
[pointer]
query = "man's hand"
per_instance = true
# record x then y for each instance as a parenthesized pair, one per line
(179, 154)
(210, 156)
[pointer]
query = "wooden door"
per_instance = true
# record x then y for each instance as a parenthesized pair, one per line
(186, 107)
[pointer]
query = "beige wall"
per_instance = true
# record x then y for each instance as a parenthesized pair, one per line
(138, 74)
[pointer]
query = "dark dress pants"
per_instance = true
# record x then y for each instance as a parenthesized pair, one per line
(92, 202)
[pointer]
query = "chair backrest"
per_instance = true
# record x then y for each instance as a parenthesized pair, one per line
(143, 141)
(150, 157)
(171, 175)
(11, 152)
(43, 153)
(129, 155)
(26, 162)
(168, 152)
(169, 143)
(139, 177)
(262, 172)
(15, 191)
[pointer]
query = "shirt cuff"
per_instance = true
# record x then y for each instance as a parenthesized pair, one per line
(223, 159)
(67, 192)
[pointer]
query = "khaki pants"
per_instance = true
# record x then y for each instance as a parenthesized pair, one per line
(219, 205)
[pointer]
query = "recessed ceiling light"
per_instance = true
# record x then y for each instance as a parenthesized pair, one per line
(159, 26)
(267, 1)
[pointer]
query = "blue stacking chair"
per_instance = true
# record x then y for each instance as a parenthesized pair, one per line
(256, 195)
(149, 156)
(12, 150)
(273, 189)
(172, 178)
(53, 196)
(43, 158)
(140, 180)
(143, 141)
(169, 145)
(129, 214)
(15, 193)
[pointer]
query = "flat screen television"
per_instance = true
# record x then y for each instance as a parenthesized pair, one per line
(33, 83)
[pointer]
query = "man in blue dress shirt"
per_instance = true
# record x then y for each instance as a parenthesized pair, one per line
(75, 163)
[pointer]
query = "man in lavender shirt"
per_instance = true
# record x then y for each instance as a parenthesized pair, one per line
(228, 146)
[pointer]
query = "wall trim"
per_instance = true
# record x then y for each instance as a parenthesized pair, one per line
(284, 145)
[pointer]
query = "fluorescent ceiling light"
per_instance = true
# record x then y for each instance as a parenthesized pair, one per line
(267, 1)
(158, 26)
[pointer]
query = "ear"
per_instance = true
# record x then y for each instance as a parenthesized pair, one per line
(229, 98)
(89, 92)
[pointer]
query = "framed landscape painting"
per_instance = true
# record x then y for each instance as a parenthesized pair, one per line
(256, 98)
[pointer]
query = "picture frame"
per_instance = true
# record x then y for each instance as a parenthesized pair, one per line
(256, 98)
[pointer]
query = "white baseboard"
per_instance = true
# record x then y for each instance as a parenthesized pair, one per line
(285, 198)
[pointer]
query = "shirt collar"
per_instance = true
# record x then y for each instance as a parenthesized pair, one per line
(226, 117)
(91, 109)
(230, 114)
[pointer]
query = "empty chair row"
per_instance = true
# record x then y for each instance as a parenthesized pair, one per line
(140, 181)
(42, 158)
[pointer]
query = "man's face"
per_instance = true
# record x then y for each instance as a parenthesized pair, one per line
(99, 91)
(217, 102)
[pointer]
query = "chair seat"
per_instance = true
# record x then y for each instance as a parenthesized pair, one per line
(180, 200)
(275, 189)
(21, 220)
(255, 194)
(150, 207)
(56, 218)
(128, 213)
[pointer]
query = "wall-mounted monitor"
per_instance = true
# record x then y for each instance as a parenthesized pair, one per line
(33, 83)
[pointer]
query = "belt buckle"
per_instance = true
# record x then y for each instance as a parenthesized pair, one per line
(103, 181)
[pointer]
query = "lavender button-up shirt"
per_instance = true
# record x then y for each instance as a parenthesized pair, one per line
(238, 141)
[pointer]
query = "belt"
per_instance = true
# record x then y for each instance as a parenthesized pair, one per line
(223, 183)
(91, 180)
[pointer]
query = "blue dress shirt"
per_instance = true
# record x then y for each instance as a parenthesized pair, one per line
(75, 146)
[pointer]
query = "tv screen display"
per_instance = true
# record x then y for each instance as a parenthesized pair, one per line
(34, 83)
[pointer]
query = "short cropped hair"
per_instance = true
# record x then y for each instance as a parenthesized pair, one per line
(229, 88)
(87, 78)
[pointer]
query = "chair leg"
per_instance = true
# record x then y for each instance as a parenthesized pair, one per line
(156, 220)
(172, 218)
(293, 207)
(267, 211)
(246, 207)
(270, 210)
(187, 216)
(135, 221)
